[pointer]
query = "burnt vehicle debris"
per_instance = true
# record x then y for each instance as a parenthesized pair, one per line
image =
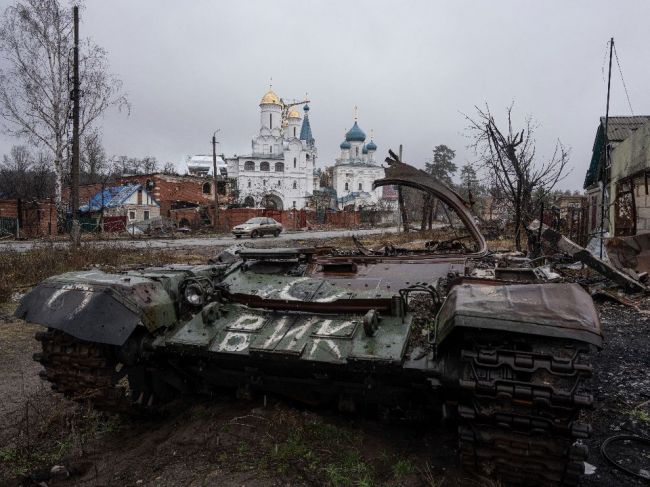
(507, 359)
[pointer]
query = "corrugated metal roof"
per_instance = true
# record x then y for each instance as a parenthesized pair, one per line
(620, 128)
(112, 197)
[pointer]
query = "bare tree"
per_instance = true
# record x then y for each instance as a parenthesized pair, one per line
(26, 176)
(36, 43)
(169, 168)
(510, 158)
(93, 157)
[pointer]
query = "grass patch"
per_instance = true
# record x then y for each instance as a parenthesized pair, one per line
(321, 453)
(402, 468)
(640, 415)
(44, 432)
(21, 270)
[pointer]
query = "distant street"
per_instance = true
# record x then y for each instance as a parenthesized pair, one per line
(183, 243)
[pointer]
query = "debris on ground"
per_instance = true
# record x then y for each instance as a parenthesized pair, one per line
(559, 242)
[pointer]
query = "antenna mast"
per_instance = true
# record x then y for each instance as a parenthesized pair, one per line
(605, 167)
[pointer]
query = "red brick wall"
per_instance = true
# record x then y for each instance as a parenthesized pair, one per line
(86, 191)
(9, 208)
(36, 219)
(170, 189)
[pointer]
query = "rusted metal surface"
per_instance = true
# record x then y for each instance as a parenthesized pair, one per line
(401, 174)
(625, 208)
(357, 330)
(630, 252)
(557, 310)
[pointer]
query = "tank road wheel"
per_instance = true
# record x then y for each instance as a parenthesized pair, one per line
(520, 409)
(92, 372)
(254, 234)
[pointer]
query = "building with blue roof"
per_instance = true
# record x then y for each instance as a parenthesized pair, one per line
(132, 201)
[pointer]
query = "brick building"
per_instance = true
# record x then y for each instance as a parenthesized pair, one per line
(172, 192)
(27, 218)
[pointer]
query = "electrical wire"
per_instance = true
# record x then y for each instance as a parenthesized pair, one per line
(639, 439)
(623, 80)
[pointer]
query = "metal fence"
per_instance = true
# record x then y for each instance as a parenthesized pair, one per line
(8, 226)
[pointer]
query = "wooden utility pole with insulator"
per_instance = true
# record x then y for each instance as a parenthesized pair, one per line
(74, 166)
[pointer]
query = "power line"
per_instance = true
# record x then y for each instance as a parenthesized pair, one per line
(623, 80)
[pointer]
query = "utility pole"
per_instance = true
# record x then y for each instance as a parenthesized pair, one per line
(605, 167)
(215, 223)
(74, 197)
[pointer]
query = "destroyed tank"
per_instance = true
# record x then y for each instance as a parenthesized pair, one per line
(504, 355)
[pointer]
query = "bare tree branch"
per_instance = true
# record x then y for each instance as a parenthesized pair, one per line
(511, 161)
(36, 45)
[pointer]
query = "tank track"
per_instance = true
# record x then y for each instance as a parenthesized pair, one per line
(521, 411)
(85, 372)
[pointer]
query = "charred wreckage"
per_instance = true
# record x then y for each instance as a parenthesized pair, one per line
(501, 351)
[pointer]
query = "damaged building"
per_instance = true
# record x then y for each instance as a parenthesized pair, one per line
(624, 175)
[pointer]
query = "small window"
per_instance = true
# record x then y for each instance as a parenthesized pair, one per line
(146, 214)
(347, 187)
(264, 182)
(264, 166)
(356, 150)
(131, 215)
(295, 185)
(249, 183)
(294, 204)
(270, 120)
(207, 188)
(360, 186)
(307, 156)
(279, 167)
(294, 162)
(279, 183)
(294, 131)
(249, 166)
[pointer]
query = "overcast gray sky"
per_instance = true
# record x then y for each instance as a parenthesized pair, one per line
(412, 68)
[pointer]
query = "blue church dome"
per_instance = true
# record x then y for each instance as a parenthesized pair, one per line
(306, 107)
(371, 146)
(355, 134)
(345, 145)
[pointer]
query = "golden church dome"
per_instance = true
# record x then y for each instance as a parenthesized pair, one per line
(293, 113)
(270, 98)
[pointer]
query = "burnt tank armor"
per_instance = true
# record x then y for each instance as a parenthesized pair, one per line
(508, 362)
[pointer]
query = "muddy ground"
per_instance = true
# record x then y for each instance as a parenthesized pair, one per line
(223, 441)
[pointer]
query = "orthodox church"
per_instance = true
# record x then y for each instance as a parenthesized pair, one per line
(355, 170)
(278, 173)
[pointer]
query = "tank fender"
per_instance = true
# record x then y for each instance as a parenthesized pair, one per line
(106, 312)
(557, 310)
